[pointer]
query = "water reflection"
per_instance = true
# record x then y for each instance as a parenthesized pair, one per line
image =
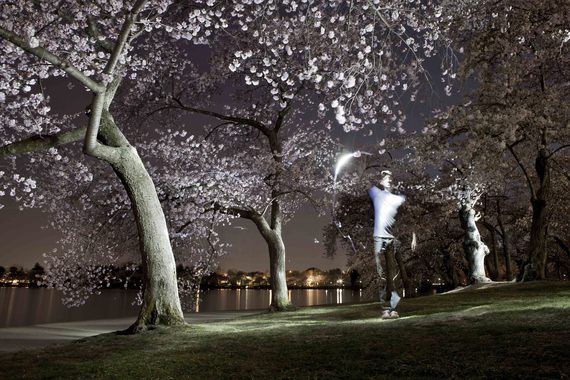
(22, 307)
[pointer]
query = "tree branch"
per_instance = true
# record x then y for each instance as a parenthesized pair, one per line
(42, 142)
(516, 157)
(123, 38)
(93, 31)
(90, 144)
(306, 195)
(281, 118)
(239, 120)
(216, 128)
(561, 243)
(276, 214)
(558, 149)
(46, 55)
(112, 90)
(109, 133)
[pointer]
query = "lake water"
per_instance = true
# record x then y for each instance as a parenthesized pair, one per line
(27, 306)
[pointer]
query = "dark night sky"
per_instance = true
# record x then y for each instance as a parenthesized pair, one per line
(23, 238)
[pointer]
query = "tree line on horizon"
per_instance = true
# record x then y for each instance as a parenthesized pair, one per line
(129, 276)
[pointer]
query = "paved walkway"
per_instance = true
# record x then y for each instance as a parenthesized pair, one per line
(20, 338)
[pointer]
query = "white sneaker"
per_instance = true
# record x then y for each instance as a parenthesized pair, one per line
(394, 314)
(386, 314)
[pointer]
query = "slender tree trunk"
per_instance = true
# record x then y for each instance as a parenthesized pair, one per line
(496, 264)
(196, 305)
(506, 249)
(488, 267)
(537, 245)
(161, 302)
(540, 219)
(279, 290)
(492, 261)
(474, 248)
(451, 270)
(276, 248)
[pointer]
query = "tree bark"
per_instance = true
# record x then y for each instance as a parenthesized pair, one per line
(496, 257)
(494, 269)
(474, 248)
(278, 281)
(279, 290)
(506, 249)
(161, 302)
(536, 268)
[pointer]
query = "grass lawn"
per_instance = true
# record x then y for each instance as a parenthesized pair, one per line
(505, 331)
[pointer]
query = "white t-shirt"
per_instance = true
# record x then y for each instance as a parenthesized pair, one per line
(385, 208)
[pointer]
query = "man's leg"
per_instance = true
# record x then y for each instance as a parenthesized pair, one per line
(380, 245)
(397, 284)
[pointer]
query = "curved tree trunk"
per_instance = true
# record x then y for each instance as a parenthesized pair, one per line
(279, 290)
(496, 264)
(474, 248)
(161, 302)
(537, 245)
(276, 247)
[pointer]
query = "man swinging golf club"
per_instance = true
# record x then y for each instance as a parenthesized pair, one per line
(385, 208)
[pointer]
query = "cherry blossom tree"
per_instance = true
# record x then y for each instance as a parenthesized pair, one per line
(234, 173)
(516, 52)
(468, 168)
(510, 63)
(94, 45)
(475, 249)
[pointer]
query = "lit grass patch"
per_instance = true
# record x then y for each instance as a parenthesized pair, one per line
(505, 331)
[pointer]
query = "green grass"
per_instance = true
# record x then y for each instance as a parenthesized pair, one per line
(505, 331)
